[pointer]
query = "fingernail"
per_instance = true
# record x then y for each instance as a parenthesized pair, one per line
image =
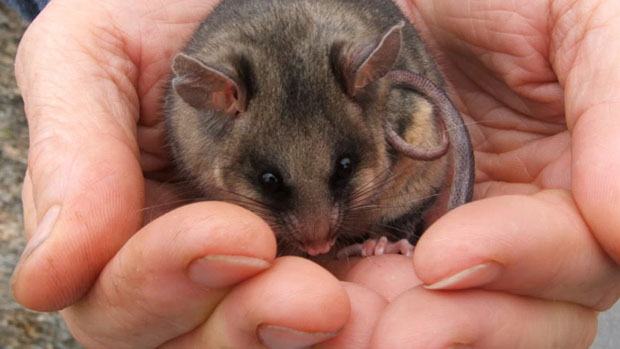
(218, 271)
(475, 276)
(43, 231)
(277, 337)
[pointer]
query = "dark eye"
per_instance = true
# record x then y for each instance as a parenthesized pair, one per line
(343, 171)
(271, 182)
(345, 166)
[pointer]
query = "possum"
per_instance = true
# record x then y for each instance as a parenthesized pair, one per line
(327, 118)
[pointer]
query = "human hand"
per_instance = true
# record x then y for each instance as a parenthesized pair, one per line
(91, 75)
(538, 84)
(104, 174)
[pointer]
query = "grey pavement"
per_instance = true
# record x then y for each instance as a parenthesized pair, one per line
(609, 330)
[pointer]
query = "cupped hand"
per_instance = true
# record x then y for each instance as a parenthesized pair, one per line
(538, 84)
(92, 76)
(536, 255)
(172, 285)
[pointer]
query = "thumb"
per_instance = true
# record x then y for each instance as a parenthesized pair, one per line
(590, 73)
(84, 188)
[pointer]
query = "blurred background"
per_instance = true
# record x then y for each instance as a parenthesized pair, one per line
(20, 328)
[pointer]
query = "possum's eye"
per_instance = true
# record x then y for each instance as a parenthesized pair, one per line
(344, 168)
(270, 182)
(342, 173)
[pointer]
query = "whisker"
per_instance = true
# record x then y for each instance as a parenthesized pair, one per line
(170, 203)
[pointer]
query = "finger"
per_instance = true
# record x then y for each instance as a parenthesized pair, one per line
(366, 308)
(481, 319)
(170, 276)
(86, 182)
(530, 245)
(585, 55)
(503, 48)
(294, 304)
(153, 149)
(387, 275)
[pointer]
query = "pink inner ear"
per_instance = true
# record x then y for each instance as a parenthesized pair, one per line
(226, 100)
(205, 87)
(364, 77)
(377, 58)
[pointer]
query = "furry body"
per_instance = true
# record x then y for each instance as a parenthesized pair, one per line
(291, 58)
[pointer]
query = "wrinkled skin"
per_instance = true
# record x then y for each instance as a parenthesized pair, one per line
(539, 86)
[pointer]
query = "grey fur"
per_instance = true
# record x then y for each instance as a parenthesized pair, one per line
(301, 118)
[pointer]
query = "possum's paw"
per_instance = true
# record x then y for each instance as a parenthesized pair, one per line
(377, 247)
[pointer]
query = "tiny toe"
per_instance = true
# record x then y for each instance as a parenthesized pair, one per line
(368, 248)
(381, 246)
(406, 248)
(378, 247)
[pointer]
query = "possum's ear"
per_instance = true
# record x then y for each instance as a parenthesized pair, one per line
(205, 87)
(361, 64)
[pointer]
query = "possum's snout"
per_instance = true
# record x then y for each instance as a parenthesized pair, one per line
(318, 248)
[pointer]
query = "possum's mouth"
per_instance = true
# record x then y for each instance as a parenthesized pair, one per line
(319, 248)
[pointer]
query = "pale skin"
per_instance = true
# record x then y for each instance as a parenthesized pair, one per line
(539, 86)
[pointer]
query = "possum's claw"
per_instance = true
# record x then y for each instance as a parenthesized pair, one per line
(377, 247)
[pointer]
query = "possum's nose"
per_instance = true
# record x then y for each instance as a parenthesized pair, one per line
(319, 247)
(317, 230)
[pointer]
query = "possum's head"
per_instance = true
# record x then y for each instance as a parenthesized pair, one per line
(295, 134)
